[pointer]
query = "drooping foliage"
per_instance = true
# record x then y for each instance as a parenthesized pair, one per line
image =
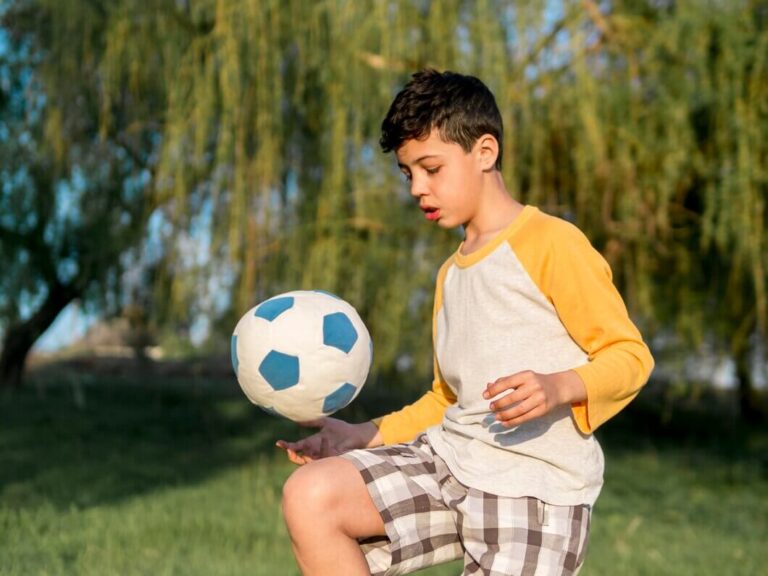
(644, 122)
(71, 200)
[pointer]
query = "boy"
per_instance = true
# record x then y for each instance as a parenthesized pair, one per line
(533, 350)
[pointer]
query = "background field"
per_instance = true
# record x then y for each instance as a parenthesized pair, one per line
(108, 475)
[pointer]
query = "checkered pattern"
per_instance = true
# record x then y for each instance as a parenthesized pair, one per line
(431, 518)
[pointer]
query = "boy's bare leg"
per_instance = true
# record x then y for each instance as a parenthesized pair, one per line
(327, 507)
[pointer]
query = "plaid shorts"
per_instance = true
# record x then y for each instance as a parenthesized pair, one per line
(431, 518)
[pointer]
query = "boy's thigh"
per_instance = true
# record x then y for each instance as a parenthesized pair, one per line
(522, 536)
(404, 482)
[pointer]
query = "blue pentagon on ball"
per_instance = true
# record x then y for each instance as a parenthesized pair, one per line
(339, 332)
(339, 398)
(271, 309)
(280, 370)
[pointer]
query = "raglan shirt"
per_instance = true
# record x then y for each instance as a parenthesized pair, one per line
(537, 297)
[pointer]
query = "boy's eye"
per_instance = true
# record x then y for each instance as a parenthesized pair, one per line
(407, 176)
(434, 170)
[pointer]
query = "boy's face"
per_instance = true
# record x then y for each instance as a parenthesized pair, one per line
(444, 178)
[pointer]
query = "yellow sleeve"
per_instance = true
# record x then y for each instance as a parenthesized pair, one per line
(578, 282)
(404, 425)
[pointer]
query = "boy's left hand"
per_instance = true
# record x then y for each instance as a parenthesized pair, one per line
(533, 395)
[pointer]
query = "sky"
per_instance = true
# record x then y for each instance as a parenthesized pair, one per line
(69, 326)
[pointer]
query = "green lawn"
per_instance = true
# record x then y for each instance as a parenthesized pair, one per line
(142, 478)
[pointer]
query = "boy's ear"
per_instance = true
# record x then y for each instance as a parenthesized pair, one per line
(488, 150)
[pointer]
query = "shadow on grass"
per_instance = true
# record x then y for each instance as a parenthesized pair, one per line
(84, 444)
(88, 441)
(705, 433)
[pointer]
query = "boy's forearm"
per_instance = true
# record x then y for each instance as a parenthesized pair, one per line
(405, 424)
(613, 379)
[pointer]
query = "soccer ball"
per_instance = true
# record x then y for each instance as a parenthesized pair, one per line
(302, 355)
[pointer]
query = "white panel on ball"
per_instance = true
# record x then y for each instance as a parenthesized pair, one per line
(302, 355)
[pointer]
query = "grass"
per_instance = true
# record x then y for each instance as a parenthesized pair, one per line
(128, 478)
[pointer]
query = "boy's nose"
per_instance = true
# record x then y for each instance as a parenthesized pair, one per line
(418, 189)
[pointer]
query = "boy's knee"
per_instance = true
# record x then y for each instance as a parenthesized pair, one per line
(310, 490)
(329, 493)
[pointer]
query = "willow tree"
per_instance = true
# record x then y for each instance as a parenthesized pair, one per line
(72, 198)
(664, 162)
(644, 122)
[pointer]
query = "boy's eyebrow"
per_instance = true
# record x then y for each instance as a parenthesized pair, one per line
(426, 156)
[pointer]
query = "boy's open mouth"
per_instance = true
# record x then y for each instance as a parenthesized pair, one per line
(431, 213)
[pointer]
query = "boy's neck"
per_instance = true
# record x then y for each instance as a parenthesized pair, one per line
(496, 211)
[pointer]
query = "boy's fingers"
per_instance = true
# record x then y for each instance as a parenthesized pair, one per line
(518, 392)
(494, 388)
(512, 412)
(302, 459)
(295, 446)
(510, 400)
(284, 445)
(295, 450)
(517, 415)
(297, 457)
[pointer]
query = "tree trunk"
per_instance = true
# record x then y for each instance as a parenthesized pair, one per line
(20, 337)
(750, 406)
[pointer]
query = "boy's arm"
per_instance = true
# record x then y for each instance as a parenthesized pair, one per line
(406, 424)
(579, 284)
(577, 281)
(336, 436)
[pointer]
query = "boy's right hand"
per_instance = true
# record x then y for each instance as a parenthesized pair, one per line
(334, 437)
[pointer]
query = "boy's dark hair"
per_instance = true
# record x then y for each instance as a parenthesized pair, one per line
(460, 107)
